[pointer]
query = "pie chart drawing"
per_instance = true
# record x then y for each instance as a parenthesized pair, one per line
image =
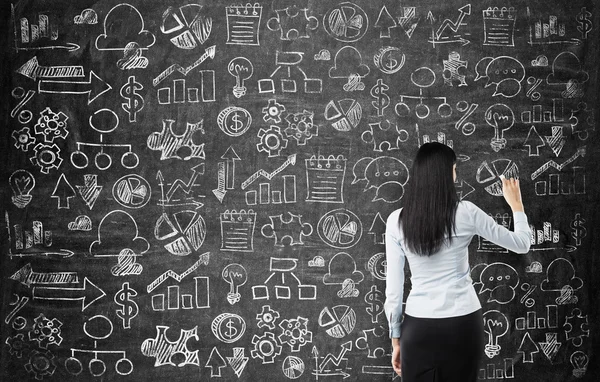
(344, 115)
(184, 230)
(189, 26)
(132, 191)
(347, 22)
(488, 174)
(293, 367)
(340, 228)
(338, 321)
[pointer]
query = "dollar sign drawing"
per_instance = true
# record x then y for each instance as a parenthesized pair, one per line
(238, 125)
(375, 300)
(392, 63)
(578, 231)
(585, 24)
(382, 100)
(135, 102)
(129, 308)
(232, 331)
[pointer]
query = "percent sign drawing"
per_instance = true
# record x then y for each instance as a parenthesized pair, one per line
(25, 116)
(534, 83)
(528, 289)
(466, 127)
(129, 309)
(134, 101)
(382, 100)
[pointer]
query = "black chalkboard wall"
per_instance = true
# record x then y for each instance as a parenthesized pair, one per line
(198, 190)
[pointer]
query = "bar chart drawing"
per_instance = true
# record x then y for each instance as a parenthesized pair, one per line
(541, 114)
(532, 321)
(265, 195)
(173, 298)
(544, 239)
(550, 31)
(25, 239)
(495, 372)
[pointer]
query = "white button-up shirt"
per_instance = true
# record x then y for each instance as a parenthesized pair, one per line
(441, 283)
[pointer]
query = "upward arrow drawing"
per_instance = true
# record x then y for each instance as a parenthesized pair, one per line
(291, 160)
(226, 173)
(336, 360)
(215, 363)
(186, 187)
(63, 191)
(454, 25)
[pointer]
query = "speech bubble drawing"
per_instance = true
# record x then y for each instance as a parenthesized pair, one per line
(505, 72)
(500, 280)
(386, 174)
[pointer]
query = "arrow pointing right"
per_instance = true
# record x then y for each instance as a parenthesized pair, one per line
(88, 294)
(94, 87)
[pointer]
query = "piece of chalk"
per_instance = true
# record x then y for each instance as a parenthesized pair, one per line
(502, 177)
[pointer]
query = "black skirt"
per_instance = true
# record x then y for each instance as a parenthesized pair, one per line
(442, 349)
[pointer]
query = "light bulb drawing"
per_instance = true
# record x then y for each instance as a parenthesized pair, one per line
(235, 275)
(501, 118)
(579, 360)
(495, 325)
(241, 68)
(21, 183)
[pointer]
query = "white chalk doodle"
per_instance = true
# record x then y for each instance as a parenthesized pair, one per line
(495, 325)
(177, 146)
(63, 192)
(377, 265)
(123, 24)
(291, 227)
(173, 299)
(81, 223)
(126, 264)
(184, 231)
(241, 69)
(505, 73)
(344, 115)
(280, 268)
(238, 361)
(551, 31)
(448, 31)
(576, 327)
(237, 230)
(188, 26)
(346, 22)
(215, 362)
(128, 237)
(295, 333)
(452, 70)
(342, 266)
(340, 228)
(500, 280)
(132, 191)
(90, 190)
(236, 276)
(389, 59)
(180, 193)
(338, 321)
(226, 173)
(228, 327)
(579, 360)
(499, 26)
(88, 16)
(325, 178)
(488, 174)
(286, 61)
(21, 182)
(501, 118)
(387, 175)
(128, 309)
(243, 24)
(41, 36)
(293, 23)
(164, 350)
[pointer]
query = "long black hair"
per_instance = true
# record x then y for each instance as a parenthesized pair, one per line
(430, 200)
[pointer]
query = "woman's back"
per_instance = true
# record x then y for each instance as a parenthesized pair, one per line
(441, 283)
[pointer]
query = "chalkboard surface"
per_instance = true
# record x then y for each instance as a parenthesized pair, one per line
(198, 190)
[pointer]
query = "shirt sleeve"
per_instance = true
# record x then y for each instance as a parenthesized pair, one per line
(394, 281)
(517, 241)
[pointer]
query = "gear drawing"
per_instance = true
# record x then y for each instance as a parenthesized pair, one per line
(46, 157)
(293, 229)
(17, 345)
(266, 347)
(23, 139)
(295, 333)
(46, 331)
(273, 111)
(267, 317)
(301, 127)
(293, 23)
(272, 141)
(41, 364)
(51, 125)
